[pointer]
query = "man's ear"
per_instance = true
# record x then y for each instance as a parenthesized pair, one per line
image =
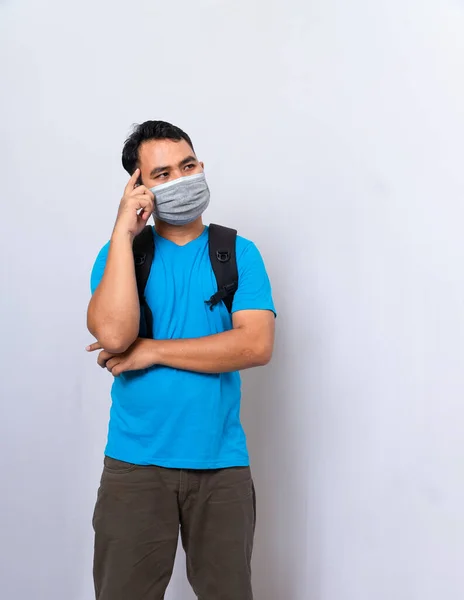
(202, 165)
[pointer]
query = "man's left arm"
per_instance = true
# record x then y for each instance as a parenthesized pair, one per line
(248, 344)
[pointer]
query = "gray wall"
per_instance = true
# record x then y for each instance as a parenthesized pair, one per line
(332, 133)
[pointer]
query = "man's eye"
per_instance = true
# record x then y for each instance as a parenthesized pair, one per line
(161, 176)
(191, 166)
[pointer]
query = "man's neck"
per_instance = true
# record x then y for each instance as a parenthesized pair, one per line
(180, 235)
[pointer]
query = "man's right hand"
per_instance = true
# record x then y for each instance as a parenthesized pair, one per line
(135, 208)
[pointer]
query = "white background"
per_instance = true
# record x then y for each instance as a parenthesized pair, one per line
(332, 132)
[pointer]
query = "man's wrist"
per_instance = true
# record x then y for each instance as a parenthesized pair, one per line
(153, 348)
(121, 235)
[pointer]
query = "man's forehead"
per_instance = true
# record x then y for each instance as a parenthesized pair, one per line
(166, 151)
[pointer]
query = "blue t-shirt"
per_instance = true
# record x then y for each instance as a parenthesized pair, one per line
(181, 419)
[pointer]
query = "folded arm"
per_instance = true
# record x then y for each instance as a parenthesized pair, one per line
(248, 344)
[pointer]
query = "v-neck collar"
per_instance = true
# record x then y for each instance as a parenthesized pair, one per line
(162, 240)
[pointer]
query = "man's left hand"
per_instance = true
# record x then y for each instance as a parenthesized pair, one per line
(139, 356)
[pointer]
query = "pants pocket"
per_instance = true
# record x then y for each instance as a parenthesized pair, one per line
(118, 467)
(231, 485)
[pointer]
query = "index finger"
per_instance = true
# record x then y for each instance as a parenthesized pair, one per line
(93, 347)
(132, 181)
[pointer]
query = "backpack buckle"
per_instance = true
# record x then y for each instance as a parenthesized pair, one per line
(229, 288)
(223, 256)
(139, 259)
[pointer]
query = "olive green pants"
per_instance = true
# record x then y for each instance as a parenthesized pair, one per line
(137, 519)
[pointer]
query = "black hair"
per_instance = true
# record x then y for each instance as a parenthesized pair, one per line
(149, 130)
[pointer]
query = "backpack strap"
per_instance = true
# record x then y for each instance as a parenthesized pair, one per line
(144, 253)
(224, 262)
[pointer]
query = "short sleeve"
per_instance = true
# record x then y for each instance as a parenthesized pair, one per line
(254, 288)
(99, 268)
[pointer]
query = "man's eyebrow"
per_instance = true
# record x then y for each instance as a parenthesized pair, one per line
(187, 160)
(157, 170)
(182, 163)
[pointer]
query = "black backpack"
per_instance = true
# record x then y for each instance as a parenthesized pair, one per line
(223, 260)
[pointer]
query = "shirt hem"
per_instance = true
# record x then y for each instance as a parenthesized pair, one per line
(180, 463)
(238, 308)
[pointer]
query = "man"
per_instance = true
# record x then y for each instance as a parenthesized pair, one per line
(176, 456)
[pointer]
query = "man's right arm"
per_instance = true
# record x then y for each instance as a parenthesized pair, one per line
(113, 315)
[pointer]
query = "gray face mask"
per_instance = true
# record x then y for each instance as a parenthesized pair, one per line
(182, 200)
